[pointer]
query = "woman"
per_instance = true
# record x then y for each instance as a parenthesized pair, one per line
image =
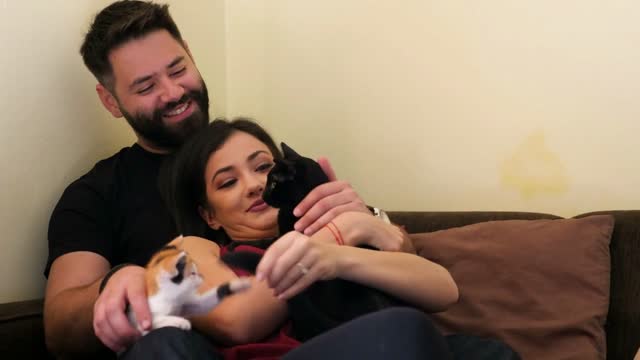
(216, 182)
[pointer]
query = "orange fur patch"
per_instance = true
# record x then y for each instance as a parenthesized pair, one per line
(205, 253)
(163, 261)
(202, 252)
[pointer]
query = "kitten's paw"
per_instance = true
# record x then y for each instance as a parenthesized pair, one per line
(240, 284)
(173, 321)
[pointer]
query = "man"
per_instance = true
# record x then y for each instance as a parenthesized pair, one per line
(114, 214)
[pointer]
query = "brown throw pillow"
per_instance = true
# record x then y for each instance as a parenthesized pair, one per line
(541, 286)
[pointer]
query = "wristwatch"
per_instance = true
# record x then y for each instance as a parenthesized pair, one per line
(380, 213)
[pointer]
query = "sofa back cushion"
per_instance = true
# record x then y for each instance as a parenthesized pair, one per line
(542, 286)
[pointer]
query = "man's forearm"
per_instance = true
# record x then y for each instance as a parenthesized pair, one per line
(68, 321)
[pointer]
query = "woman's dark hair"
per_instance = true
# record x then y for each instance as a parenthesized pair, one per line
(117, 24)
(182, 180)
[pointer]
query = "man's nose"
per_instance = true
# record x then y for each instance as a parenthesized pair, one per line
(171, 91)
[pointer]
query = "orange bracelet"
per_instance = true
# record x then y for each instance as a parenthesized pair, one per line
(337, 235)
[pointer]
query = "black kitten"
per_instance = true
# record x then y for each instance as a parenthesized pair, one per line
(325, 304)
(288, 182)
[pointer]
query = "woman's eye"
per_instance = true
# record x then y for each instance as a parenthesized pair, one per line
(227, 183)
(264, 167)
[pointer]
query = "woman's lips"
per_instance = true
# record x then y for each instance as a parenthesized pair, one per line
(258, 206)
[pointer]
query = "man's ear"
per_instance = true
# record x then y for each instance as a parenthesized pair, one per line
(208, 217)
(108, 101)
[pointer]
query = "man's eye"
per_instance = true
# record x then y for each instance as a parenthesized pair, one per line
(145, 90)
(264, 167)
(179, 72)
(227, 184)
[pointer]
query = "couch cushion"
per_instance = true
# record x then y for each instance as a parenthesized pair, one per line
(623, 319)
(541, 286)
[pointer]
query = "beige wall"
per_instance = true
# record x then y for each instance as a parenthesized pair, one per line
(53, 127)
(421, 104)
(451, 105)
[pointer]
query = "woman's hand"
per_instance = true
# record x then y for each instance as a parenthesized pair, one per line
(327, 201)
(365, 229)
(295, 261)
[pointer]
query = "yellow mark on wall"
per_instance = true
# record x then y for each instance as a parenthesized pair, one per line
(534, 169)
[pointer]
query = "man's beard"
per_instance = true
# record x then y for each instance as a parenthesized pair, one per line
(153, 129)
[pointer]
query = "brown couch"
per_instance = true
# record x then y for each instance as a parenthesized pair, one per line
(21, 331)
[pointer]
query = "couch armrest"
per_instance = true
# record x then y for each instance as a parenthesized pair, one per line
(22, 330)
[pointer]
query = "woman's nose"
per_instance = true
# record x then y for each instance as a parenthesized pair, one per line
(256, 187)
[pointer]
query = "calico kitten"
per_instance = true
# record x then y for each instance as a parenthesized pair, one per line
(172, 282)
(325, 304)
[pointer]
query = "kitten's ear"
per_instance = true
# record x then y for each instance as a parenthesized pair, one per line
(208, 216)
(288, 152)
(178, 241)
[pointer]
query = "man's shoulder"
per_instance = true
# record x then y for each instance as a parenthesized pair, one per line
(109, 164)
(103, 173)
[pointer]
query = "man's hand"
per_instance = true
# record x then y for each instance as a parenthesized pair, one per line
(110, 322)
(326, 201)
(364, 229)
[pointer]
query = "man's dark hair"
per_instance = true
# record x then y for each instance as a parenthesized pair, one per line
(118, 23)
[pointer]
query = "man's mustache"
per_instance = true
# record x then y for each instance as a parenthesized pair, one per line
(176, 103)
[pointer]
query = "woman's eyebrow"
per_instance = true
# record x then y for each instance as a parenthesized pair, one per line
(221, 170)
(230, 167)
(255, 154)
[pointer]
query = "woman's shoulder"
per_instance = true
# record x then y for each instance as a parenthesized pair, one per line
(200, 245)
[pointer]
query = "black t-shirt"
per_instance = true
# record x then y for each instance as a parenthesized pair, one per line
(115, 210)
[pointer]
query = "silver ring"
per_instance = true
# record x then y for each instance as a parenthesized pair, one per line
(303, 269)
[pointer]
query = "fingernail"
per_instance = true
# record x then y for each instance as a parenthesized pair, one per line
(296, 212)
(297, 227)
(307, 231)
(260, 276)
(146, 324)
